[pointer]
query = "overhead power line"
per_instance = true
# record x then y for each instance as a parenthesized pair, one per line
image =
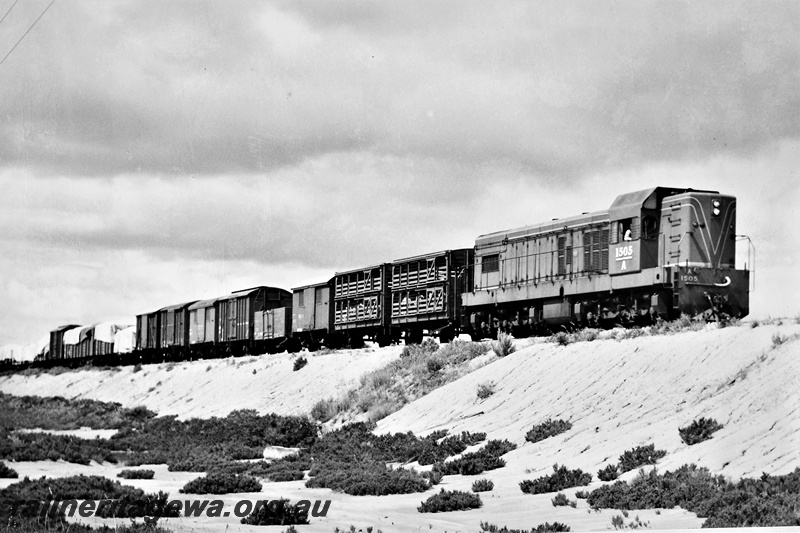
(27, 31)
(9, 11)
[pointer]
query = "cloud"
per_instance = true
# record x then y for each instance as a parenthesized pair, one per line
(206, 89)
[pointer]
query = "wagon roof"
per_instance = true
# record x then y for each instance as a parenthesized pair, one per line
(432, 254)
(203, 303)
(177, 306)
(312, 285)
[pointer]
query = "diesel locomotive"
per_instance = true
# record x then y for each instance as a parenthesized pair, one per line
(653, 254)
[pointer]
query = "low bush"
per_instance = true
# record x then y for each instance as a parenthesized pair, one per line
(450, 500)
(769, 501)
(582, 494)
(640, 456)
(299, 363)
(428, 347)
(608, 473)
(548, 428)
(365, 478)
(34, 412)
(136, 474)
(482, 485)
(37, 446)
(504, 345)
(485, 390)
(561, 478)
(222, 483)
(276, 513)
(561, 500)
(555, 527)
(562, 338)
(487, 458)
(7, 472)
(699, 430)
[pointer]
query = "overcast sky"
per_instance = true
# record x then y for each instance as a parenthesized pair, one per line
(156, 152)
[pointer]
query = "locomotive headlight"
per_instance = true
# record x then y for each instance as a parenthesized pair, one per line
(715, 207)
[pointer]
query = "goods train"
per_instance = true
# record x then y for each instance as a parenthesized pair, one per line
(653, 254)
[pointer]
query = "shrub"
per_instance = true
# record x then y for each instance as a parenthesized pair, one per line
(561, 500)
(609, 473)
(457, 351)
(435, 364)
(582, 494)
(365, 478)
(428, 347)
(222, 483)
(548, 428)
(504, 345)
(276, 513)
(699, 430)
(640, 456)
(299, 363)
(765, 502)
(485, 390)
(451, 500)
(561, 478)
(33, 412)
(482, 485)
(777, 339)
(136, 474)
(555, 527)
(562, 338)
(7, 472)
(487, 458)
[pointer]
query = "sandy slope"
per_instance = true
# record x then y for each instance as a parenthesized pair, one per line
(618, 394)
(215, 387)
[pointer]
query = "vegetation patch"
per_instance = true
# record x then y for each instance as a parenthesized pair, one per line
(487, 458)
(450, 500)
(640, 456)
(555, 527)
(608, 473)
(485, 390)
(504, 345)
(6, 472)
(548, 428)
(561, 478)
(482, 485)
(699, 430)
(561, 500)
(222, 483)
(33, 412)
(191, 445)
(136, 474)
(769, 501)
(299, 363)
(420, 369)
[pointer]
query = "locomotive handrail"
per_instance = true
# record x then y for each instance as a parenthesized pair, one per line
(751, 259)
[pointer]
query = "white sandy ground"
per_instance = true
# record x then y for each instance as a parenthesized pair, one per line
(618, 394)
(202, 389)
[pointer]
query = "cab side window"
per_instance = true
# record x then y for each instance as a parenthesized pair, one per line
(649, 227)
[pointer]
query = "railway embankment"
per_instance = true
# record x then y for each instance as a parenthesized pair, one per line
(618, 391)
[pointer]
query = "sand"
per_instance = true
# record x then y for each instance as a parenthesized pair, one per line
(618, 394)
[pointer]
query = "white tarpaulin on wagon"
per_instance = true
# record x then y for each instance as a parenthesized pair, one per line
(73, 336)
(105, 331)
(125, 339)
